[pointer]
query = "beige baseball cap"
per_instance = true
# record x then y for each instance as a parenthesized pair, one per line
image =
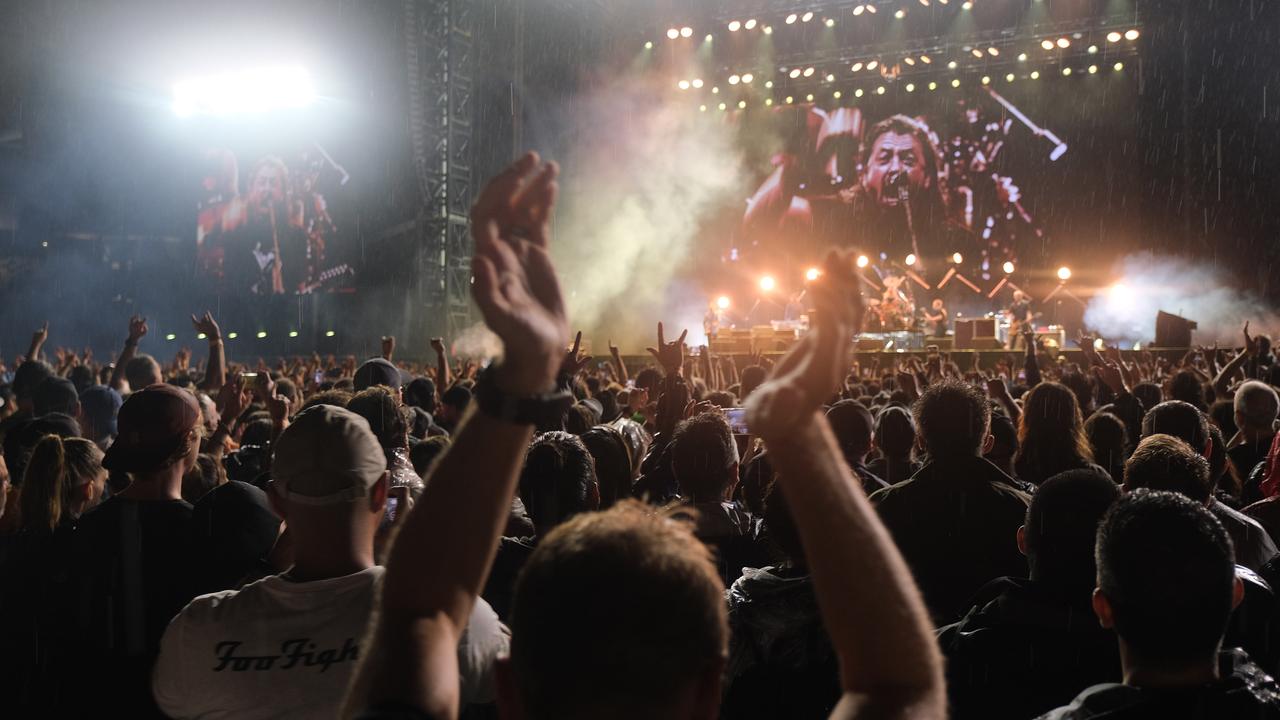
(328, 455)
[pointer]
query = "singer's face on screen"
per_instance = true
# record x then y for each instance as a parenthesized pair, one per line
(894, 153)
(267, 189)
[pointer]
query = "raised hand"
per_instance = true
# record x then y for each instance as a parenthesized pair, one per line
(812, 371)
(437, 344)
(233, 398)
(1111, 375)
(137, 328)
(670, 355)
(388, 346)
(574, 361)
(613, 349)
(1250, 344)
(40, 335)
(515, 284)
(206, 325)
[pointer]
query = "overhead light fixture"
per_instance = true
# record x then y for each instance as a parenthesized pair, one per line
(791, 19)
(911, 87)
(1131, 35)
(1118, 66)
(735, 26)
(926, 59)
(1064, 42)
(1035, 75)
(683, 84)
(697, 82)
(673, 33)
(993, 51)
(748, 77)
(1066, 71)
(808, 72)
(951, 65)
(1047, 44)
(1114, 36)
(750, 24)
(733, 79)
(901, 13)
(856, 67)
(872, 65)
(807, 16)
(686, 32)
(858, 10)
(795, 73)
(909, 60)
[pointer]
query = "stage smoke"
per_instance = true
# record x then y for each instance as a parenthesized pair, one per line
(639, 180)
(1127, 311)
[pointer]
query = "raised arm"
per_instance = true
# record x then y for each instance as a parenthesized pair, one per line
(889, 663)
(37, 341)
(443, 376)
(137, 329)
(427, 596)
(618, 365)
(215, 374)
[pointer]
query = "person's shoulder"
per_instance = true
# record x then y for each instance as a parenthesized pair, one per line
(888, 495)
(1109, 700)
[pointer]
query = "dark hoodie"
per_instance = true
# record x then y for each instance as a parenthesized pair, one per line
(781, 662)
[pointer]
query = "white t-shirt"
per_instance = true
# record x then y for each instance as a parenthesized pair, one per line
(288, 649)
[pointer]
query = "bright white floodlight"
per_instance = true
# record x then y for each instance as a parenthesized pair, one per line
(243, 92)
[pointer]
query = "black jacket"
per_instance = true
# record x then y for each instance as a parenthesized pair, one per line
(956, 523)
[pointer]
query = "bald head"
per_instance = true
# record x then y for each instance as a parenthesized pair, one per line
(1257, 406)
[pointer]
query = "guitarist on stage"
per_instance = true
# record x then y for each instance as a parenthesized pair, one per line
(1019, 317)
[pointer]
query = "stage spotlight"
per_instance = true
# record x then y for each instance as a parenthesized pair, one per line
(836, 94)
(812, 274)
(1007, 267)
(1064, 273)
(709, 37)
(993, 51)
(293, 333)
(952, 65)
(1093, 50)
(1099, 344)
(768, 30)
(831, 78)
(742, 104)
(768, 101)
(857, 93)
(1009, 77)
(966, 5)
(768, 83)
(1120, 292)
(683, 84)
(957, 258)
(170, 336)
(872, 65)
(1131, 35)
(1066, 71)
(715, 90)
(262, 334)
(1093, 69)
(750, 24)
(830, 22)
(910, 259)
(986, 79)
(863, 261)
(201, 336)
(702, 108)
(926, 59)
(880, 90)
(807, 16)
(1046, 44)
(808, 72)
(767, 283)
(809, 97)
(734, 26)
(795, 73)
(1113, 36)
(686, 31)
(933, 85)
(648, 45)
(976, 53)
(748, 77)
(924, 3)
(859, 10)
(733, 79)
(1064, 43)
(233, 335)
(722, 106)
(911, 87)
(872, 9)
(856, 67)
(1022, 57)
(697, 82)
(901, 13)
(909, 60)
(253, 90)
(673, 33)
(330, 333)
(1118, 66)
(955, 83)
(1035, 75)
(722, 302)
(790, 99)
(791, 19)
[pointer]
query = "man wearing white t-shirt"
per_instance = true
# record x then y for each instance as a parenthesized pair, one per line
(286, 646)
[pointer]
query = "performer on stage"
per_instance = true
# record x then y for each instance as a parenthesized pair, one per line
(938, 318)
(1020, 316)
(712, 320)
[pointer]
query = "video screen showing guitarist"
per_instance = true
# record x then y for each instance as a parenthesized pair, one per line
(1020, 316)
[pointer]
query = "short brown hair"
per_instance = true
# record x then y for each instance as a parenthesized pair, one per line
(1164, 462)
(620, 609)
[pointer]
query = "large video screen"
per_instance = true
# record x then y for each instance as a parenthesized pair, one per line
(265, 225)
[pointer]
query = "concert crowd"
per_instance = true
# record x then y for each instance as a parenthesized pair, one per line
(1060, 535)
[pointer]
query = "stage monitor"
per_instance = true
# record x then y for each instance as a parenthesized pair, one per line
(1173, 331)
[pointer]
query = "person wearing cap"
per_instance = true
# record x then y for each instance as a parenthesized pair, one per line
(131, 561)
(286, 645)
(378, 371)
(57, 395)
(99, 406)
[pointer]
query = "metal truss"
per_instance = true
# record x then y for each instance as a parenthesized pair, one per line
(440, 66)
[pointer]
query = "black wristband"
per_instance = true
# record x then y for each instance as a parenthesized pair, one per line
(538, 410)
